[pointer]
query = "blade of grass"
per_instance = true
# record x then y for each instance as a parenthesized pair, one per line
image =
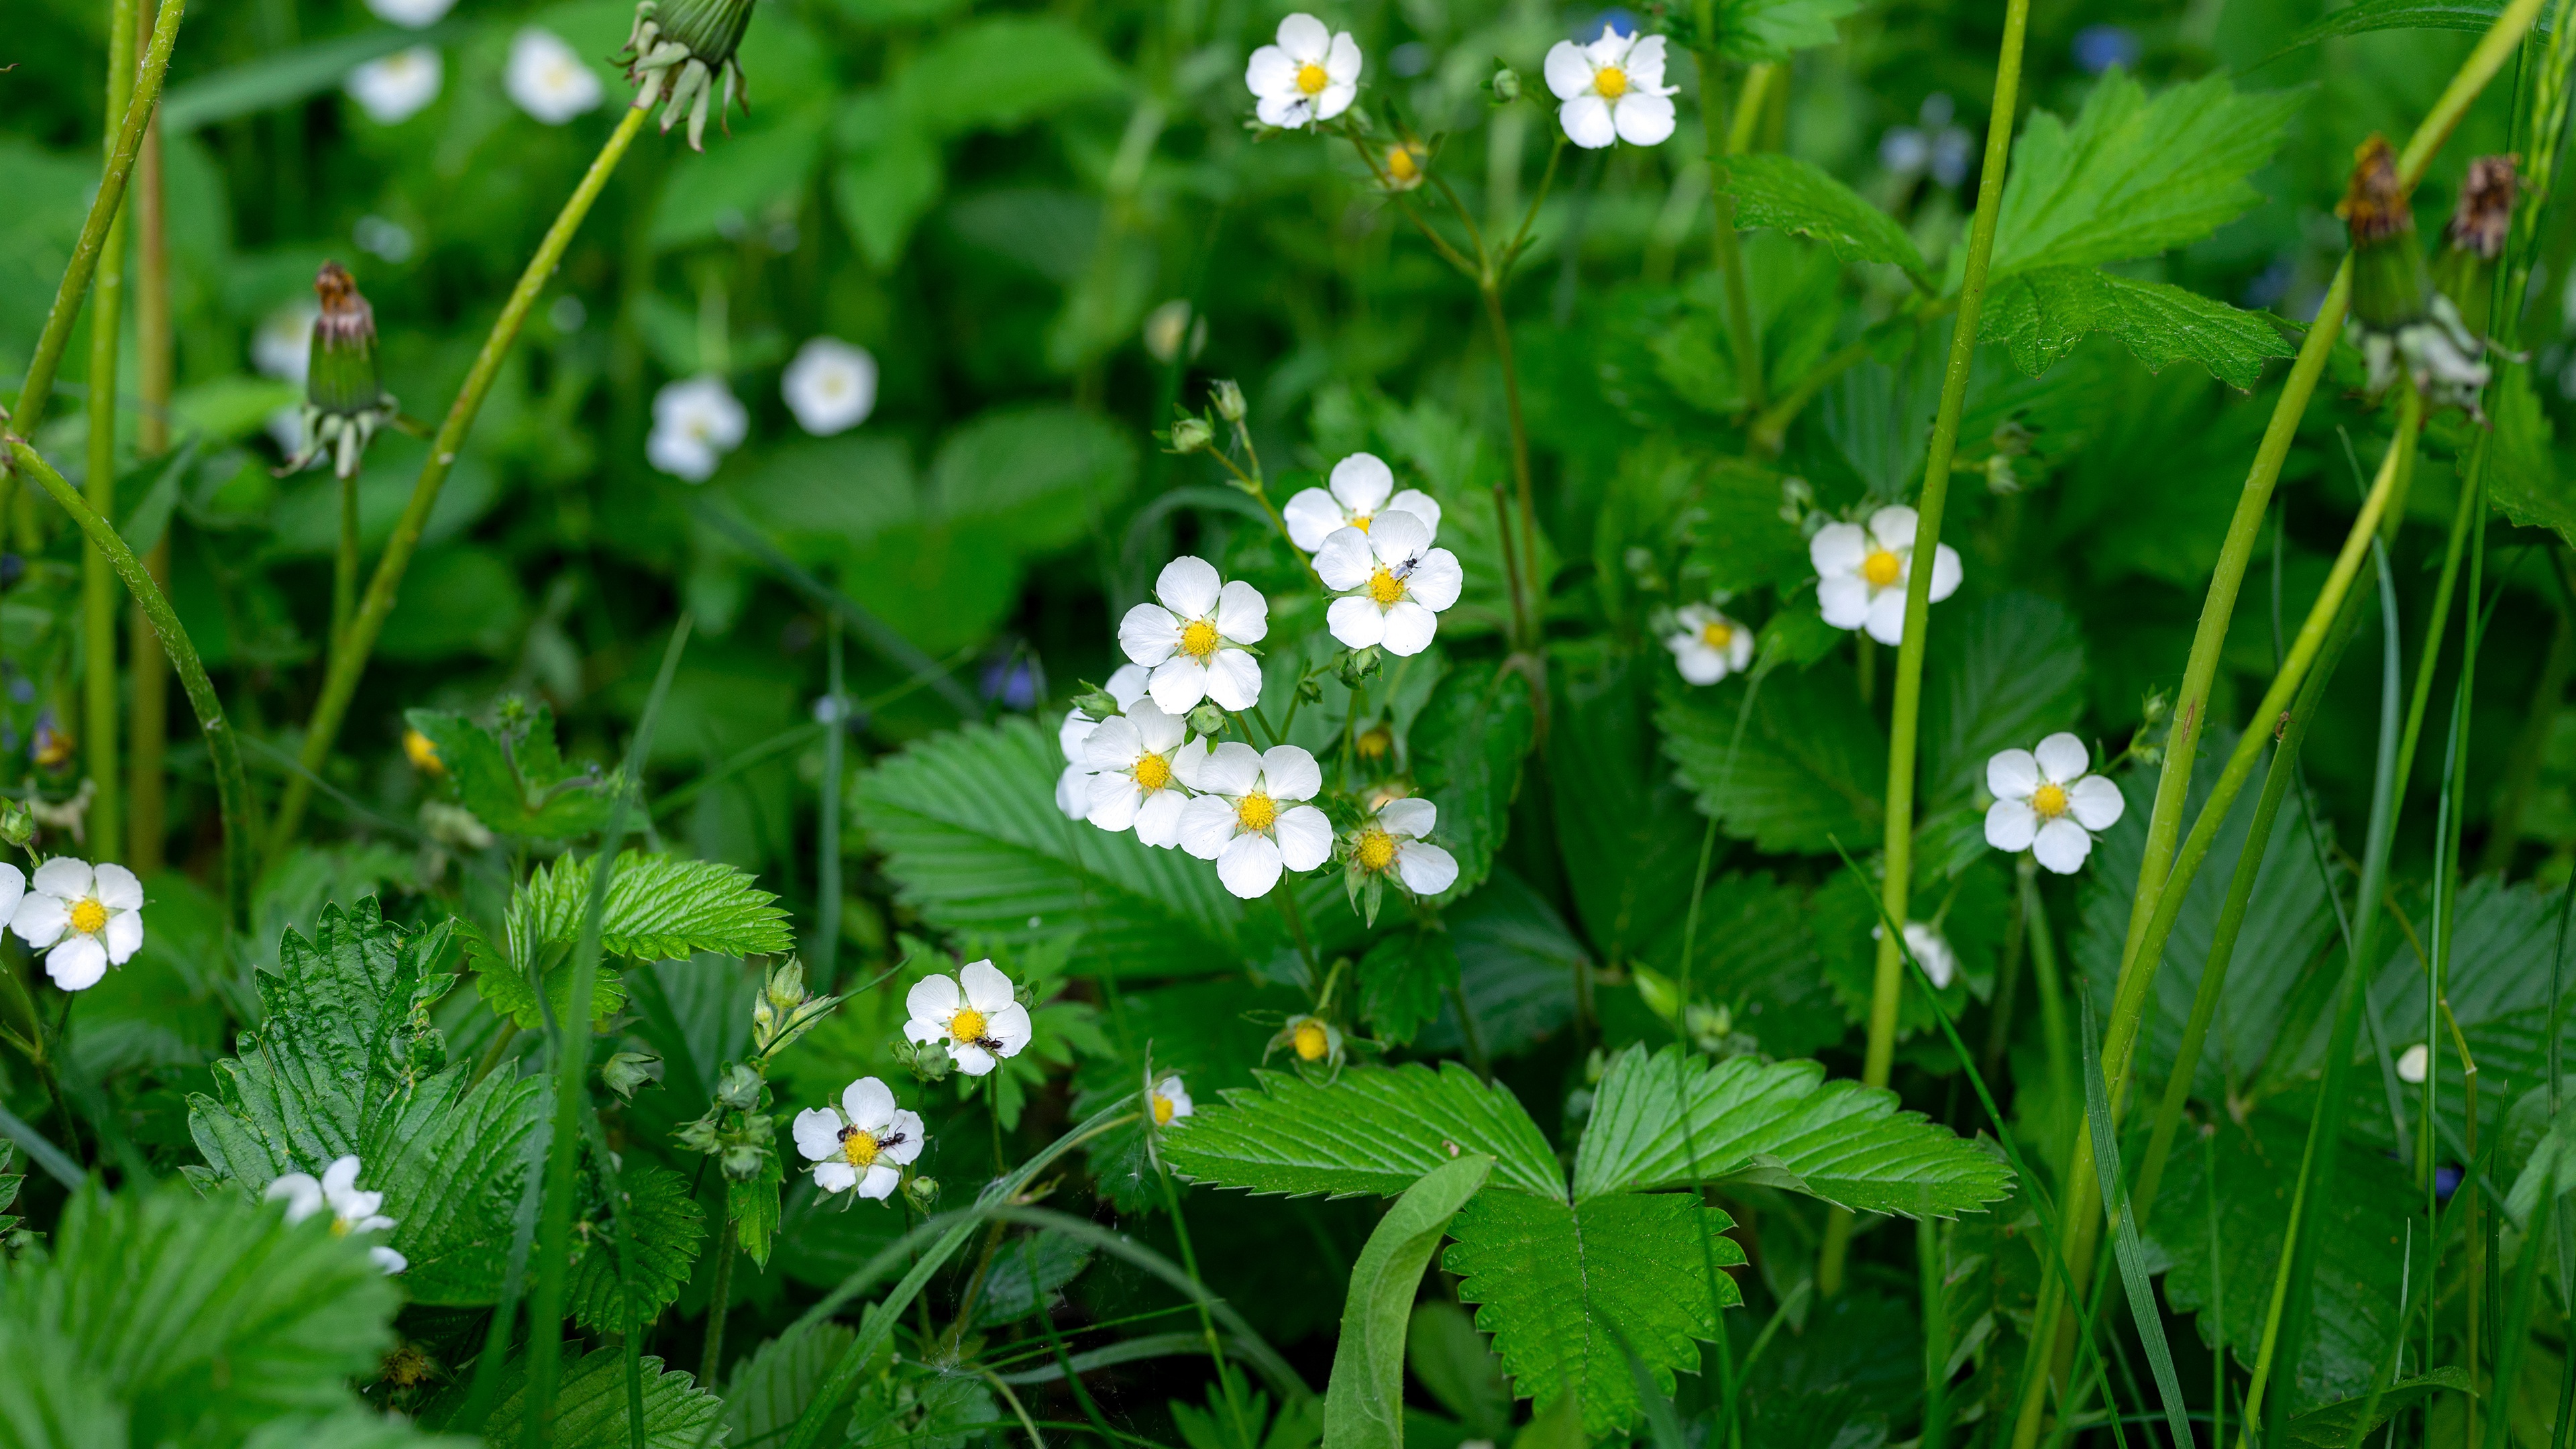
(2133, 1266)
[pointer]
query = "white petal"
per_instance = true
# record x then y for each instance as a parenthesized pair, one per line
(835, 1176)
(1408, 815)
(1188, 587)
(387, 1259)
(1569, 73)
(1249, 866)
(40, 919)
(1180, 682)
(1587, 122)
(2010, 825)
(66, 877)
(1231, 768)
(1886, 622)
(339, 1178)
(1270, 72)
(2012, 775)
(1343, 561)
(1305, 837)
(1398, 538)
(1114, 801)
(1893, 527)
(301, 1194)
(987, 989)
(1610, 47)
(13, 889)
(2062, 846)
(1435, 581)
(1127, 684)
(918, 1029)
(1645, 66)
(971, 1059)
(1187, 759)
(1207, 824)
(1739, 647)
(1287, 112)
(1149, 634)
(1336, 99)
(1304, 37)
(1290, 773)
(1425, 869)
(1242, 615)
(124, 936)
(1342, 62)
(1843, 599)
(1112, 745)
(1420, 504)
(1158, 820)
(1643, 120)
(1409, 628)
(907, 1125)
(1698, 663)
(1945, 572)
(1838, 548)
(1234, 679)
(118, 890)
(1010, 1026)
(869, 1103)
(1362, 482)
(1156, 731)
(1069, 736)
(818, 1134)
(1073, 792)
(2096, 803)
(1355, 621)
(879, 1182)
(77, 963)
(2062, 758)
(1311, 516)
(933, 999)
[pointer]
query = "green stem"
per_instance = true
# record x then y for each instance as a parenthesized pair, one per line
(1899, 846)
(1727, 252)
(827, 951)
(98, 581)
(1936, 1334)
(719, 1301)
(344, 568)
(2041, 939)
(232, 788)
(146, 813)
(341, 683)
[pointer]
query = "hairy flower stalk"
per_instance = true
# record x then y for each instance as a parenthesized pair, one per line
(345, 402)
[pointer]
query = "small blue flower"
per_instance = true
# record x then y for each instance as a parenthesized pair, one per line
(1618, 18)
(2100, 47)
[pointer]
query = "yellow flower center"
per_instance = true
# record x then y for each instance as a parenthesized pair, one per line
(1360, 521)
(1384, 588)
(1257, 811)
(1153, 772)
(89, 917)
(1881, 568)
(339, 1226)
(2049, 800)
(1310, 1041)
(1375, 741)
(423, 752)
(1611, 82)
(1312, 78)
(859, 1147)
(1198, 639)
(1377, 849)
(966, 1025)
(1401, 165)
(1162, 1110)
(1717, 633)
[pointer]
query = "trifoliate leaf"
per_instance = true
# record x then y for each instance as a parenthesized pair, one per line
(1372, 1130)
(1808, 770)
(2039, 316)
(348, 1063)
(2133, 177)
(1771, 30)
(2001, 674)
(1793, 195)
(513, 778)
(591, 1407)
(663, 1225)
(1570, 1290)
(1467, 749)
(1780, 1124)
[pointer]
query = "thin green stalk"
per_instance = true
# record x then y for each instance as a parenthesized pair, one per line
(344, 568)
(232, 787)
(1936, 1334)
(1727, 251)
(98, 580)
(1899, 847)
(146, 809)
(572, 1071)
(341, 683)
(1243, 1426)
(2517, 1323)
(2041, 940)
(719, 1302)
(827, 874)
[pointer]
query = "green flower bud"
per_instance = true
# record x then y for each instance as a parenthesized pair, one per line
(17, 824)
(1192, 435)
(627, 1071)
(1506, 86)
(739, 1088)
(1207, 719)
(924, 1191)
(1228, 399)
(344, 396)
(690, 45)
(2404, 327)
(1096, 701)
(1358, 665)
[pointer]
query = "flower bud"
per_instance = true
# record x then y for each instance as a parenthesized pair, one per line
(1506, 86)
(17, 824)
(1096, 701)
(1358, 665)
(688, 44)
(1227, 399)
(924, 1191)
(2474, 239)
(785, 990)
(2403, 327)
(1191, 435)
(739, 1087)
(626, 1071)
(344, 396)
(1207, 719)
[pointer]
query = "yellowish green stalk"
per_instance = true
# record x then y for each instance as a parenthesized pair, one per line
(1726, 251)
(146, 808)
(98, 581)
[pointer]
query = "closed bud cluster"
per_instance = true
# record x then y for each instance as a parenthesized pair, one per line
(1359, 664)
(1207, 719)
(1192, 435)
(785, 1010)
(739, 1087)
(2404, 327)
(627, 1071)
(344, 396)
(686, 48)
(1506, 86)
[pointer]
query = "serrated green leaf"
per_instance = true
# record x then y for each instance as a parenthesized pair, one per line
(2001, 674)
(591, 1408)
(775, 1384)
(1793, 195)
(752, 1207)
(1467, 748)
(973, 842)
(514, 779)
(1809, 768)
(1626, 835)
(2039, 316)
(1570, 1290)
(1364, 1403)
(660, 908)
(1404, 979)
(2523, 476)
(2133, 177)
(1781, 1124)
(663, 1225)
(1372, 1130)
(2342, 1423)
(1773, 30)
(348, 1063)
(1025, 1276)
(506, 991)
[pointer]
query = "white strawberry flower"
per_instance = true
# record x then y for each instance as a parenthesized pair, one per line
(973, 1015)
(84, 920)
(1169, 1101)
(1708, 646)
(412, 14)
(1140, 761)
(394, 88)
(2413, 1063)
(1251, 818)
(861, 1143)
(1360, 489)
(1073, 787)
(1926, 946)
(831, 386)
(1613, 90)
(1861, 571)
(1312, 74)
(696, 421)
(2047, 804)
(352, 1211)
(1393, 841)
(548, 78)
(1193, 638)
(1393, 584)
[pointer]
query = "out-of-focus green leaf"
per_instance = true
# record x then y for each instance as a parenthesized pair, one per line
(463, 599)
(2523, 477)
(48, 196)
(1771, 30)
(2040, 314)
(2002, 674)
(1364, 1406)
(2337, 1425)
(774, 1385)
(1403, 981)
(1795, 195)
(1626, 835)
(752, 181)
(999, 73)
(1026, 1273)
(1371, 1130)
(1038, 477)
(1807, 772)
(1451, 1360)
(591, 1406)
(1467, 747)
(2474, 16)
(1517, 960)
(888, 177)
(284, 77)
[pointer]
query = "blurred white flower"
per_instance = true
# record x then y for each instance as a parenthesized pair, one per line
(1073, 788)
(282, 348)
(1925, 944)
(352, 1211)
(2413, 1063)
(1311, 75)
(1708, 646)
(1170, 326)
(411, 14)
(1613, 90)
(397, 87)
(831, 386)
(1140, 761)
(696, 421)
(1170, 1101)
(1392, 840)
(548, 78)
(1252, 820)
(84, 920)
(1360, 486)
(1393, 584)
(1193, 637)
(1861, 572)
(860, 1143)
(974, 1016)
(2046, 804)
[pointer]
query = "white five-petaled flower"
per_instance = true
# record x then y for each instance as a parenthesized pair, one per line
(548, 78)
(1139, 761)
(862, 1142)
(1311, 75)
(1708, 646)
(412, 14)
(1073, 788)
(1861, 572)
(1360, 490)
(1169, 1101)
(1393, 584)
(1193, 638)
(831, 387)
(2046, 804)
(84, 920)
(696, 421)
(1251, 819)
(1926, 946)
(352, 1211)
(394, 88)
(1392, 841)
(1613, 90)
(974, 1015)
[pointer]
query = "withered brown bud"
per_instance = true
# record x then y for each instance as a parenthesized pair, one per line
(2485, 213)
(2374, 206)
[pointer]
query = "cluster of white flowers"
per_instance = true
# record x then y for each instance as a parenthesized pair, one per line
(2047, 802)
(1372, 549)
(84, 918)
(352, 1211)
(1611, 89)
(696, 421)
